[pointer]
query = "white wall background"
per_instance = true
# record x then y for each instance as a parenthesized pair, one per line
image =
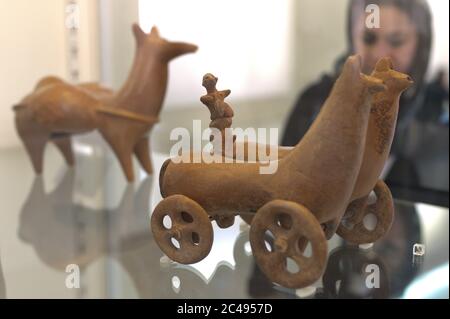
(34, 44)
(32, 34)
(245, 43)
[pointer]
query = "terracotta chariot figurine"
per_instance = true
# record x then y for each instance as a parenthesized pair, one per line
(321, 185)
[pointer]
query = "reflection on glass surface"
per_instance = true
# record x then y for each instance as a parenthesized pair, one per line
(346, 274)
(104, 229)
(433, 284)
(63, 232)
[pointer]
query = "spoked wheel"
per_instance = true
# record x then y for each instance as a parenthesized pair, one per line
(292, 227)
(182, 229)
(353, 227)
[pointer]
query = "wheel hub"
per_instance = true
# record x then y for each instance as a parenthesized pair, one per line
(281, 244)
(176, 232)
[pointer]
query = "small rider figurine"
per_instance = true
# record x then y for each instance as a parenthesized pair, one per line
(221, 112)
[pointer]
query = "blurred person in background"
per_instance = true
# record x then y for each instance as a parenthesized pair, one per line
(418, 165)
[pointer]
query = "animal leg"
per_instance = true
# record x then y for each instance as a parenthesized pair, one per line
(123, 153)
(35, 145)
(142, 152)
(122, 137)
(65, 146)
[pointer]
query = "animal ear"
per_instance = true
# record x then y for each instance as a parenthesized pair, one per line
(353, 64)
(154, 32)
(384, 64)
(226, 92)
(139, 35)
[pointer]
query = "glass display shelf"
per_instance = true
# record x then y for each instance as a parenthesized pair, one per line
(89, 219)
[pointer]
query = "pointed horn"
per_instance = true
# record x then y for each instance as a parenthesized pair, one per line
(139, 35)
(154, 32)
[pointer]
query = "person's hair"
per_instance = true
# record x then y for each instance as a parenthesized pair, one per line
(419, 13)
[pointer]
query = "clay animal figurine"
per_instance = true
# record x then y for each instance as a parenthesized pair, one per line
(379, 137)
(56, 110)
(380, 134)
(311, 188)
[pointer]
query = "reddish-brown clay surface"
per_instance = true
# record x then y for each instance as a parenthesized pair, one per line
(56, 110)
(317, 183)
